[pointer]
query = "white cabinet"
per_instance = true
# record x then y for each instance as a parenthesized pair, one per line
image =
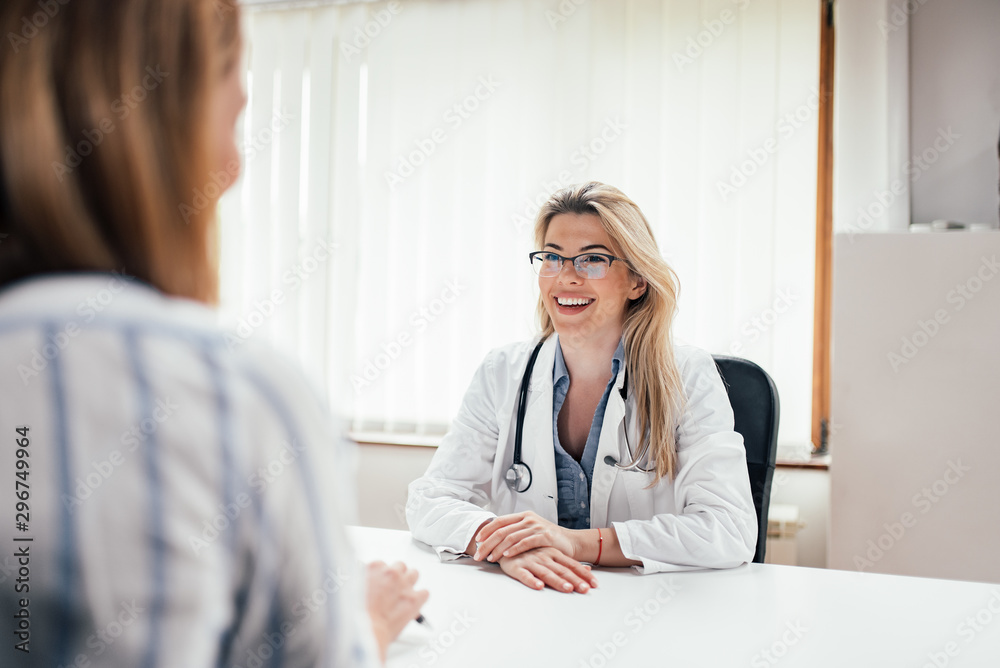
(915, 443)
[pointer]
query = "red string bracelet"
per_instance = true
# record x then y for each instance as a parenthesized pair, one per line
(600, 546)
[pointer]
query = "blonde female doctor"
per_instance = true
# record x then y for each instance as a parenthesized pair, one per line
(628, 454)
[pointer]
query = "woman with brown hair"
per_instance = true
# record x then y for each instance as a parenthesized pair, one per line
(167, 512)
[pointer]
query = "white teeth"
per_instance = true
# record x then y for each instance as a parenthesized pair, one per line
(573, 301)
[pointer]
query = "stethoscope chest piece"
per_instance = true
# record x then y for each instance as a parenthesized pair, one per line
(518, 477)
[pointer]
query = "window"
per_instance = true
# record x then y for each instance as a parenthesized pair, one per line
(396, 153)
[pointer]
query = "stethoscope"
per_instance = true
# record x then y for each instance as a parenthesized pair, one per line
(518, 476)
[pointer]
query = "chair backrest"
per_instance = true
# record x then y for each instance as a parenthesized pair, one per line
(756, 410)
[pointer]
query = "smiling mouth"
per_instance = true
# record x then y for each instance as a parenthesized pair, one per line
(574, 302)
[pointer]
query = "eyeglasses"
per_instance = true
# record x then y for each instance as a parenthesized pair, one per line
(587, 265)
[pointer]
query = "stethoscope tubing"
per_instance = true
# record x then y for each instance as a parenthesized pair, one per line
(519, 471)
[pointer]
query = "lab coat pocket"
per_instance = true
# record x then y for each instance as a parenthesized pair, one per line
(641, 497)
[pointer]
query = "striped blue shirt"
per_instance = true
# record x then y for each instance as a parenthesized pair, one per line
(574, 478)
(182, 500)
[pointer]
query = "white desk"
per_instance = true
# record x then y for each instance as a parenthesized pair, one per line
(758, 615)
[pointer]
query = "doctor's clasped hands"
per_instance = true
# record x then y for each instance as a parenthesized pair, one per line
(535, 552)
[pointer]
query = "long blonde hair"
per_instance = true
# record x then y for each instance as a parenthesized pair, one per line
(649, 352)
(104, 138)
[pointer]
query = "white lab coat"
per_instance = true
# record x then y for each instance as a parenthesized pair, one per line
(704, 518)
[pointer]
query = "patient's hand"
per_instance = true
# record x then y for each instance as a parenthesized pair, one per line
(392, 600)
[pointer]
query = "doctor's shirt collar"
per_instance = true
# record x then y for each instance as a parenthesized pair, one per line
(559, 370)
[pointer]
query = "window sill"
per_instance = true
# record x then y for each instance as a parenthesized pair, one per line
(388, 438)
(816, 463)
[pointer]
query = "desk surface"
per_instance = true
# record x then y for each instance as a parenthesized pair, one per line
(758, 615)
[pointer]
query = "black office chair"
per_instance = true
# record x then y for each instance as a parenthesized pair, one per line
(755, 407)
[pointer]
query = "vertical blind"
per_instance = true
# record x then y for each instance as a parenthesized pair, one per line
(395, 154)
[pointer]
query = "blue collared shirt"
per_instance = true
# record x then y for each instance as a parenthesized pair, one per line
(573, 478)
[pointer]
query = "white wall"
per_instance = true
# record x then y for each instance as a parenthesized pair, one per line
(809, 490)
(917, 113)
(955, 82)
(384, 471)
(871, 118)
(905, 73)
